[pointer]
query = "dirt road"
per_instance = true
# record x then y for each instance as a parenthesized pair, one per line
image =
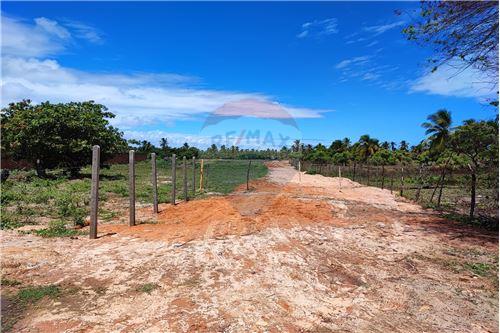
(297, 253)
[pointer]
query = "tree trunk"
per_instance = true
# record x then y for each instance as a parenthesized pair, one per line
(441, 189)
(472, 193)
(421, 181)
(40, 170)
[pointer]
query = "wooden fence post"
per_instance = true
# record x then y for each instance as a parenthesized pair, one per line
(340, 178)
(392, 181)
(368, 175)
(184, 166)
(248, 174)
(194, 176)
(420, 183)
(383, 176)
(300, 169)
(94, 191)
(174, 178)
(154, 181)
(131, 187)
(402, 181)
(206, 176)
(201, 174)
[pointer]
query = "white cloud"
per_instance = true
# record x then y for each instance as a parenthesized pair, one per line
(319, 28)
(353, 61)
(449, 81)
(83, 31)
(380, 29)
(43, 37)
(52, 27)
(370, 76)
(136, 98)
(25, 40)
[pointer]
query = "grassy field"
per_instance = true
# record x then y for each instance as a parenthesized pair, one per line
(58, 200)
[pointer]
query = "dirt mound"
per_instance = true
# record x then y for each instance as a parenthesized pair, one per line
(283, 199)
(238, 214)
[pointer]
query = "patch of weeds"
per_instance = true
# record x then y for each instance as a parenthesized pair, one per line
(9, 283)
(13, 306)
(73, 205)
(479, 268)
(118, 187)
(147, 287)
(9, 220)
(57, 229)
(107, 215)
(487, 222)
(30, 295)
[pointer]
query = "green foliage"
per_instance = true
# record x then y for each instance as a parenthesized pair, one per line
(147, 287)
(30, 295)
(477, 141)
(439, 127)
(478, 268)
(58, 135)
(57, 229)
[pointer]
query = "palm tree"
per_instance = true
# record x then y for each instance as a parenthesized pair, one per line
(403, 145)
(439, 128)
(296, 145)
(367, 147)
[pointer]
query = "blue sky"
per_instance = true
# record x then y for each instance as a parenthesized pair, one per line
(338, 69)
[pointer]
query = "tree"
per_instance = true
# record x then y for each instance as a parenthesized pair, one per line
(296, 146)
(438, 126)
(403, 145)
(367, 147)
(164, 146)
(477, 141)
(59, 135)
(464, 30)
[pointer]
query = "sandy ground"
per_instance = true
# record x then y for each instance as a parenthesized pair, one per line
(296, 253)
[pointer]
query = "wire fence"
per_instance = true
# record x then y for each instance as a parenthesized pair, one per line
(446, 188)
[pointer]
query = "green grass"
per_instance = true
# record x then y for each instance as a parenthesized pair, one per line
(25, 198)
(30, 295)
(16, 304)
(57, 229)
(479, 268)
(147, 287)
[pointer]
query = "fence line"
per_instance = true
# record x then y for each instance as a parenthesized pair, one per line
(132, 159)
(436, 186)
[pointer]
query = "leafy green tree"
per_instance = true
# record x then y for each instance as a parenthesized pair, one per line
(59, 135)
(342, 158)
(477, 141)
(319, 154)
(438, 127)
(383, 157)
